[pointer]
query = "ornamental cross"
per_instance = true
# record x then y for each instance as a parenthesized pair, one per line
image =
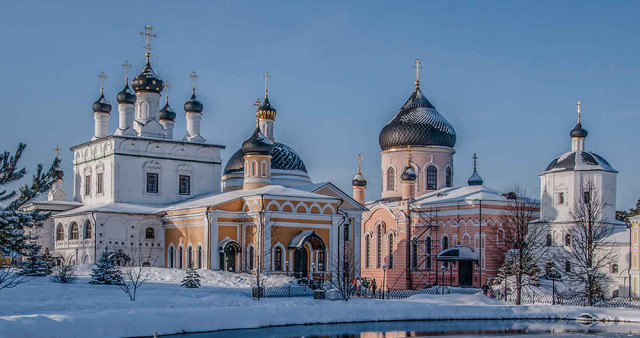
(475, 160)
(57, 149)
(266, 83)
(126, 65)
(168, 86)
(417, 67)
(579, 104)
(257, 103)
(148, 35)
(102, 76)
(194, 77)
(359, 163)
(409, 156)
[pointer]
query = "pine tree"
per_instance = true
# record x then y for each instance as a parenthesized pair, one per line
(35, 265)
(48, 259)
(192, 279)
(105, 271)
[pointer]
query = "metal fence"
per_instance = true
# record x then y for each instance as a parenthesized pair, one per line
(402, 294)
(289, 290)
(532, 297)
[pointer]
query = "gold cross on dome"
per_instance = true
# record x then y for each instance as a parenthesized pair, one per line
(57, 149)
(102, 76)
(266, 83)
(417, 67)
(409, 156)
(148, 35)
(194, 77)
(257, 103)
(168, 86)
(579, 104)
(475, 160)
(126, 65)
(359, 163)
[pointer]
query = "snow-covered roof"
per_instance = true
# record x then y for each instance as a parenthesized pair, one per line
(579, 161)
(269, 190)
(124, 208)
(619, 234)
(467, 193)
(458, 253)
(316, 186)
(304, 235)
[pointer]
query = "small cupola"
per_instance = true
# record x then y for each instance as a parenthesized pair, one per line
(257, 144)
(409, 174)
(126, 96)
(167, 113)
(475, 178)
(101, 105)
(148, 80)
(193, 105)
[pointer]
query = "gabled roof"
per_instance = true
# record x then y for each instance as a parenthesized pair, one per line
(461, 194)
(123, 208)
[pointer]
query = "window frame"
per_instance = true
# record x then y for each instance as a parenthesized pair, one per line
(100, 183)
(180, 185)
(87, 185)
(391, 179)
(151, 188)
(432, 178)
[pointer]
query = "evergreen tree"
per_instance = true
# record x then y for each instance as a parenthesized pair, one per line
(105, 271)
(192, 279)
(48, 259)
(35, 265)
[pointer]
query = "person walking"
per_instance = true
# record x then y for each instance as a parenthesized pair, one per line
(373, 288)
(365, 285)
(358, 285)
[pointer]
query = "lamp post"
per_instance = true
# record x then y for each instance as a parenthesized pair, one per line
(77, 263)
(287, 264)
(384, 278)
(443, 266)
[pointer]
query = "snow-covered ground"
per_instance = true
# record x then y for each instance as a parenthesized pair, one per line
(41, 308)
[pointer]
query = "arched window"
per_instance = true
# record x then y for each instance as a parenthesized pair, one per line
(500, 237)
(448, 180)
(614, 268)
(567, 266)
(149, 233)
(199, 257)
(251, 254)
(263, 167)
(190, 257)
(390, 251)
(432, 178)
(254, 168)
(391, 179)
(367, 251)
(567, 240)
(379, 247)
(87, 230)
(277, 259)
(445, 243)
(414, 255)
(180, 257)
(170, 258)
(59, 232)
(74, 231)
(427, 250)
(549, 240)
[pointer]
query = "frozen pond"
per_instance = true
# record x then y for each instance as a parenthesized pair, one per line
(480, 328)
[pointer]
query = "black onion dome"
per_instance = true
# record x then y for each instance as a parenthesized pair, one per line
(359, 180)
(418, 123)
(475, 179)
(409, 174)
(579, 160)
(59, 173)
(578, 131)
(125, 96)
(167, 113)
(282, 158)
(266, 111)
(101, 105)
(257, 143)
(147, 81)
(193, 105)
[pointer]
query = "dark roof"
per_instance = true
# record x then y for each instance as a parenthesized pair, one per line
(418, 123)
(359, 180)
(475, 179)
(257, 143)
(193, 105)
(147, 81)
(101, 105)
(266, 111)
(282, 158)
(408, 174)
(125, 95)
(578, 131)
(167, 113)
(579, 160)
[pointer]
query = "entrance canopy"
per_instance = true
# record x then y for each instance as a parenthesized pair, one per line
(309, 236)
(459, 253)
(228, 244)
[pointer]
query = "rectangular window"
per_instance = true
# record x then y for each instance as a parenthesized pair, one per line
(152, 183)
(346, 232)
(185, 185)
(100, 184)
(561, 198)
(87, 185)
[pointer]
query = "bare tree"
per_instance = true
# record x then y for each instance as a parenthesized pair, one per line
(10, 276)
(136, 272)
(65, 272)
(523, 242)
(343, 272)
(590, 252)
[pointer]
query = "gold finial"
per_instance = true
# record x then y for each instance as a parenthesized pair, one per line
(57, 149)
(126, 65)
(579, 104)
(102, 76)
(257, 103)
(168, 86)
(417, 67)
(409, 156)
(194, 77)
(148, 35)
(475, 161)
(266, 84)
(359, 163)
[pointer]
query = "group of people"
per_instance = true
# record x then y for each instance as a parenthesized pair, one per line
(364, 286)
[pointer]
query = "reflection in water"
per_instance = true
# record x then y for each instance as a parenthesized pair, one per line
(480, 328)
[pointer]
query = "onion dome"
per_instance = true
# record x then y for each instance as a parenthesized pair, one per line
(409, 174)
(125, 96)
(417, 124)
(282, 158)
(257, 144)
(147, 81)
(59, 173)
(265, 110)
(359, 180)
(579, 161)
(578, 131)
(167, 113)
(475, 178)
(102, 105)
(193, 105)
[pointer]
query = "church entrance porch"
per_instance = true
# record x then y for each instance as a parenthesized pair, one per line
(228, 254)
(465, 257)
(300, 263)
(308, 254)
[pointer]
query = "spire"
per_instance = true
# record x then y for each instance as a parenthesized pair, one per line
(409, 174)
(475, 178)
(266, 84)
(359, 180)
(125, 96)
(102, 105)
(194, 77)
(359, 163)
(265, 110)
(417, 67)
(148, 35)
(126, 66)
(578, 131)
(579, 104)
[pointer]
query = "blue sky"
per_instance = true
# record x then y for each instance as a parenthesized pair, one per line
(505, 74)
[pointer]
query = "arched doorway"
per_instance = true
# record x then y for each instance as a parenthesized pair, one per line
(307, 239)
(228, 252)
(300, 263)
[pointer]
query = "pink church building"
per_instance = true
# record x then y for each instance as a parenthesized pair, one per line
(423, 231)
